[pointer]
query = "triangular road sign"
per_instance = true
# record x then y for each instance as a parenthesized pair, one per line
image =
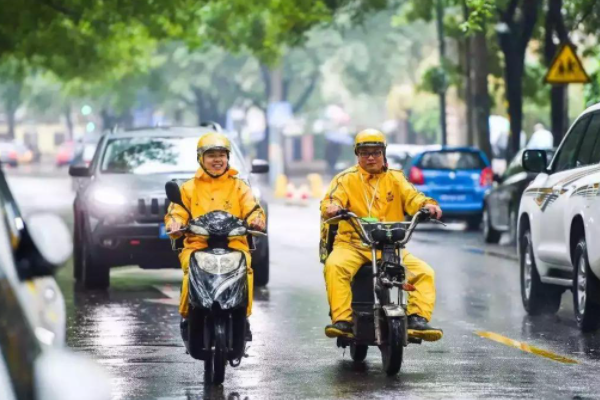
(566, 67)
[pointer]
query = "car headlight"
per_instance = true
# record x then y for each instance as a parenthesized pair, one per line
(238, 231)
(109, 197)
(198, 230)
(215, 264)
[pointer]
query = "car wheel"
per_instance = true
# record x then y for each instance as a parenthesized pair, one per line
(490, 235)
(260, 262)
(94, 273)
(77, 253)
(512, 225)
(585, 291)
(538, 298)
(473, 223)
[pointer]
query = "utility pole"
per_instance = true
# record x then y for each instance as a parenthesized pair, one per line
(442, 46)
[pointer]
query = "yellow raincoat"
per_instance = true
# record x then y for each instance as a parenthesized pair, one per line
(204, 194)
(386, 196)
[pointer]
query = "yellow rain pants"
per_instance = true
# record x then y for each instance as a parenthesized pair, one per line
(344, 262)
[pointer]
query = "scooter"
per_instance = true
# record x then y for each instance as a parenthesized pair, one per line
(380, 290)
(218, 291)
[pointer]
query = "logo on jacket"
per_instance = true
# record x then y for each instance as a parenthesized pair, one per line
(390, 197)
(227, 205)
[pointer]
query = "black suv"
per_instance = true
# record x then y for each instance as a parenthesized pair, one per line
(121, 203)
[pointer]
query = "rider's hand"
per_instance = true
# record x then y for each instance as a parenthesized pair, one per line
(332, 210)
(174, 226)
(434, 210)
(257, 224)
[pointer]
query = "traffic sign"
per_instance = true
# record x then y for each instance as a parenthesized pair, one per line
(566, 67)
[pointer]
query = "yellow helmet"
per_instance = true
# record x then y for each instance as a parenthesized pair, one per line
(212, 141)
(369, 138)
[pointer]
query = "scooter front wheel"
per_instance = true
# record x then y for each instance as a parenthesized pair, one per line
(220, 355)
(358, 352)
(392, 351)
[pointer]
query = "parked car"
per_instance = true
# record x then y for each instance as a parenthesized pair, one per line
(457, 177)
(9, 154)
(501, 202)
(120, 207)
(65, 154)
(399, 156)
(558, 224)
(33, 360)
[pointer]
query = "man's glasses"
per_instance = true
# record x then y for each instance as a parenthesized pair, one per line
(367, 154)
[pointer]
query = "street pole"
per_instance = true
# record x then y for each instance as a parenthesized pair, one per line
(442, 46)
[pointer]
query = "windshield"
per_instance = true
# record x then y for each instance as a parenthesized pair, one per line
(451, 160)
(142, 156)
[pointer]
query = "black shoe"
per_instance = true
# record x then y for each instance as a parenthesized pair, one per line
(340, 328)
(248, 332)
(420, 329)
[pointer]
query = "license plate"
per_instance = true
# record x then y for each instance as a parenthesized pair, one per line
(453, 197)
(162, 232)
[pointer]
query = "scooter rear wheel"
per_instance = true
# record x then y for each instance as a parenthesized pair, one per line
(392, 351)
(220, 355)
(358, 352)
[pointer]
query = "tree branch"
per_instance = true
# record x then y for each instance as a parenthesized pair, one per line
(508, 15)
(528, 23)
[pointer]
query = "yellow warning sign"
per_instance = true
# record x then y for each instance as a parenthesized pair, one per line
(566, 67)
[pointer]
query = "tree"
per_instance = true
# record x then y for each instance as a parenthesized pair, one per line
(12, 81)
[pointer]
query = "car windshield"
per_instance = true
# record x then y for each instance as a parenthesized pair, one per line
(154, 155)
(452, 160)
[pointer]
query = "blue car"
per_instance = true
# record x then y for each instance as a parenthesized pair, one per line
(457, 177)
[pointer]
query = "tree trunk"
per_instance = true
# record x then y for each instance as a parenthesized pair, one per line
(10, 116)
(69, 121)
(480, 101)
(559, 105)
(514, 38)
(468, 54)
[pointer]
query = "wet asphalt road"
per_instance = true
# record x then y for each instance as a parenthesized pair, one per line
(133, 329)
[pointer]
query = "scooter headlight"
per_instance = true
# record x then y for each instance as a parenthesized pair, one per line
(198, 230)
(218, 264)
(241, 231)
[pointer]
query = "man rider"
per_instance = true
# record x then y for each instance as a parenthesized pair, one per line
(370, 189)
(216, 186)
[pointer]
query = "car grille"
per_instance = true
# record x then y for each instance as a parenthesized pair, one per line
(151, 209)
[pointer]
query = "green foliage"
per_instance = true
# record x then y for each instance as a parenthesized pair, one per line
(480, 12)
(434, 80)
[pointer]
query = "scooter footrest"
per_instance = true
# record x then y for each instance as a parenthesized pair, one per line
(414, 340)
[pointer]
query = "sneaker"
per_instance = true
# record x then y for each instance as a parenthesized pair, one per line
(340, 328)
(420, 329)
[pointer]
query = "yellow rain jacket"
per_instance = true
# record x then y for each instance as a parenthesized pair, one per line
(386, 197)
(204, 194)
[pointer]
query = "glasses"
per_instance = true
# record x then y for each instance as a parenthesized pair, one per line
(367, 154)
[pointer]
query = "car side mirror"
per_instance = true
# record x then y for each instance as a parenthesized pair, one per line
(79, 171)
(61, 374)
(535, 161)
(260, 166)
(45, 247)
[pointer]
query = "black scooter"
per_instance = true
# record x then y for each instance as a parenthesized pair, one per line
(380, 290)
(218, 291)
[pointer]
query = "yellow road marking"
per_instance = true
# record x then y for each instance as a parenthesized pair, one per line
(525, 347)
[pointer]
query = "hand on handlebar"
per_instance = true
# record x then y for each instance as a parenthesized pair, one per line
(433, 210)
(257, 224)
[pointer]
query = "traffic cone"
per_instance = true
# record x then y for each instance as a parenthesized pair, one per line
(316, 185)
(281, 186)
(303, 195)
(290, 193)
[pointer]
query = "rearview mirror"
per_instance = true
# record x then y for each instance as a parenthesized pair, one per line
(79, 171)
(60, 374)
(174, 195)
(535, 161)
(260, 166)
(46, 246)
